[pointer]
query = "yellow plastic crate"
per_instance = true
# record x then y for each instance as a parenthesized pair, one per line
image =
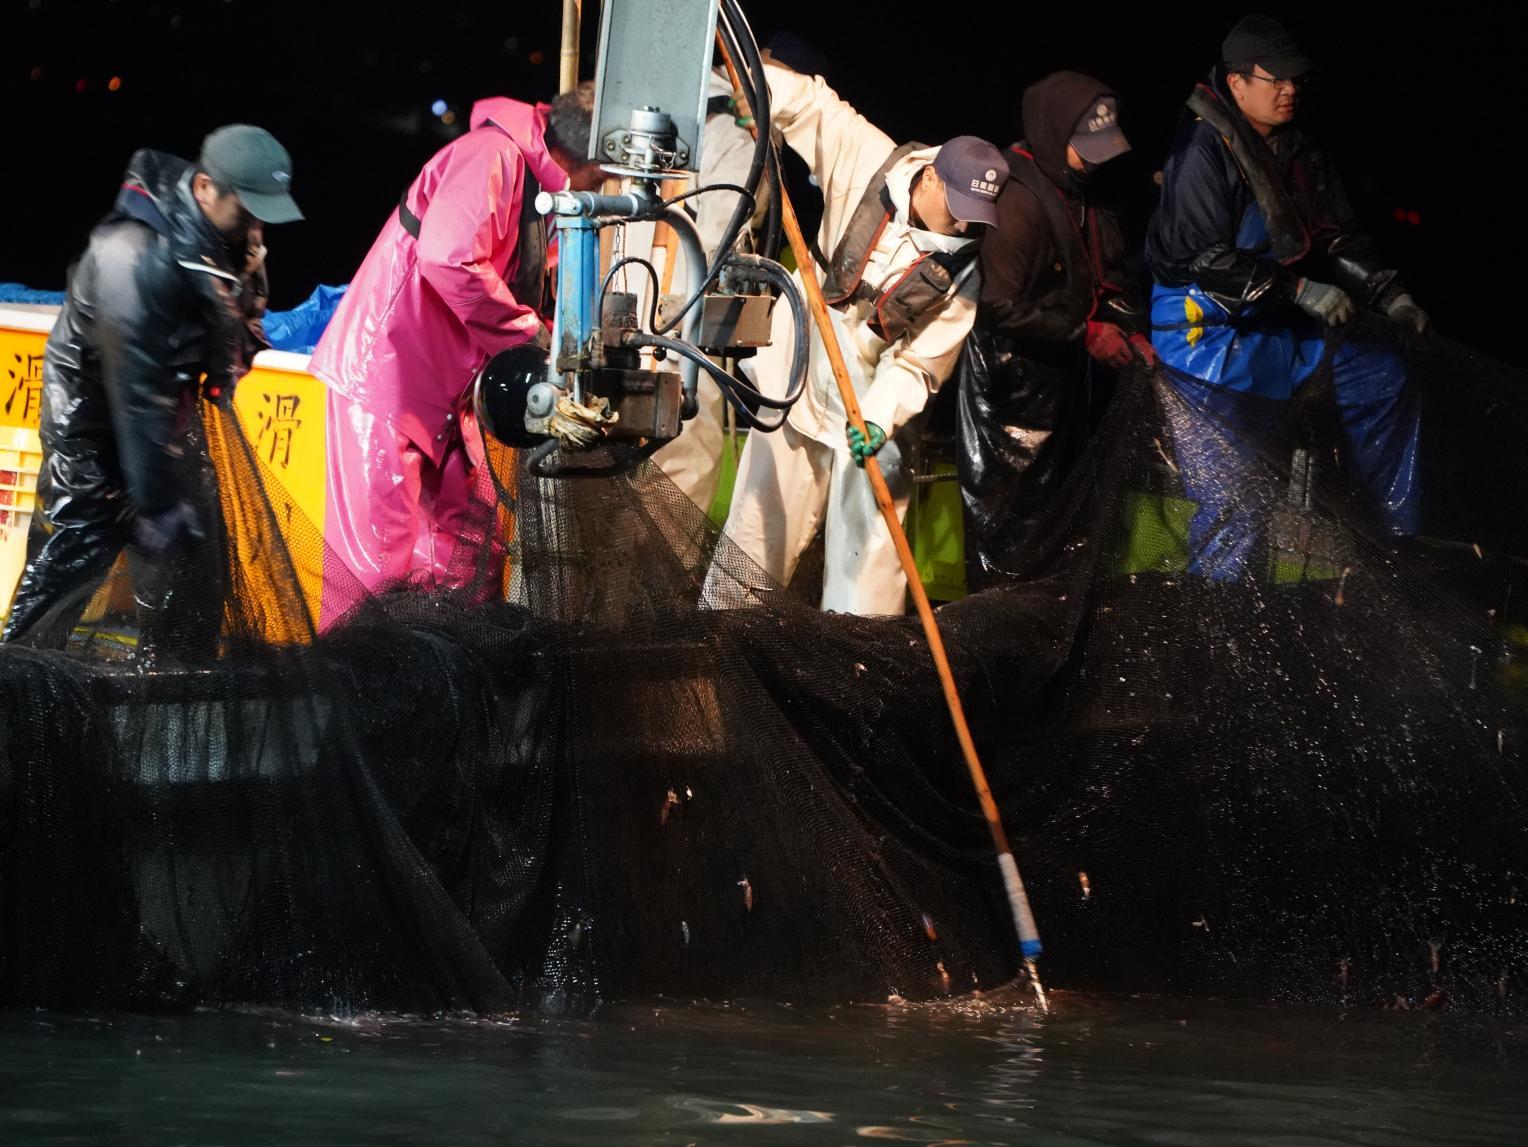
(13, 553)
(20, 459)
(20, 454)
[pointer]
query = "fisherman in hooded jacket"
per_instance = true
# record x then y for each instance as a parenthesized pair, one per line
(458, 273)
(1259, 261)
(167, 298)
(1055, 295)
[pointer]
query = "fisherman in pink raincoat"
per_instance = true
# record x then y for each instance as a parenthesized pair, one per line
(458, 274)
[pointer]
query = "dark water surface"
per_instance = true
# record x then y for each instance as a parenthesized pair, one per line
(988, 1070)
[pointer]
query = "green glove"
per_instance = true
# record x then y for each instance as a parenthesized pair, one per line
(860, 447)
(742, 114)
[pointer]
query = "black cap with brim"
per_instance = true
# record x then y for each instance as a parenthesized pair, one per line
(270, 208)
(1097, 135)
(1261, 40)
(258, 169)
(1100, 147)
(1288, 67)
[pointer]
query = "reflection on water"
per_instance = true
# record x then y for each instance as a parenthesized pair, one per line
(988, 1070)
(723, 1111)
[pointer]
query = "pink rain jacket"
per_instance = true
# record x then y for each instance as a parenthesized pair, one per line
(423, 315)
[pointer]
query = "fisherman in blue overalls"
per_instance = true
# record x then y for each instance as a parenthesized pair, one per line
(1258, 259)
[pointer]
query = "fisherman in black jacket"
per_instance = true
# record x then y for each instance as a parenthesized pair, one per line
(168, 295)
(1258, 259)
(1055, 295)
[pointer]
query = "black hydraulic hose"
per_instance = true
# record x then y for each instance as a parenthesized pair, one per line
(683, 349)
(734, 29)
(734, 393)
(773, 217)
(735, 188)
(652, 310)
(739, 392)
(738, 36)
(728, 385)
(730, 20)
(801, 353)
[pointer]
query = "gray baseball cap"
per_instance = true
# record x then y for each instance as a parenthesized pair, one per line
(973, 172)
(249, 160)
(1097, 135)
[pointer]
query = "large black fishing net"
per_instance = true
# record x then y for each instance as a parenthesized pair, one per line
(563, 779)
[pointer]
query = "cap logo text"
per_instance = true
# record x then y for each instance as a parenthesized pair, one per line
(1103, 117)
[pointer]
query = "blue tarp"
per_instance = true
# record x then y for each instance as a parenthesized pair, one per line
(295, 330)
(17, 293)
(299, 329)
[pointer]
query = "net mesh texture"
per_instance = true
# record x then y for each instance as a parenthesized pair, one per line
(568, 775)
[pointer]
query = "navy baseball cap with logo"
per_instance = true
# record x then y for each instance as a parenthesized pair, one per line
(1097, 135)
(249, 160)
(973, 172)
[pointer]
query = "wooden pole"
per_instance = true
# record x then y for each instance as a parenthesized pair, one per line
(572, 20)
(1018, 899)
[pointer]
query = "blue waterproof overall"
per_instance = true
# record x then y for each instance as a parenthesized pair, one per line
(1223, 365)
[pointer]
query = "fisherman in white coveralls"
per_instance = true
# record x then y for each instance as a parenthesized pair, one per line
(693, 460)
(900, 229)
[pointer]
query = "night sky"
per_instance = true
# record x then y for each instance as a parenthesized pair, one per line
(1425, 117)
